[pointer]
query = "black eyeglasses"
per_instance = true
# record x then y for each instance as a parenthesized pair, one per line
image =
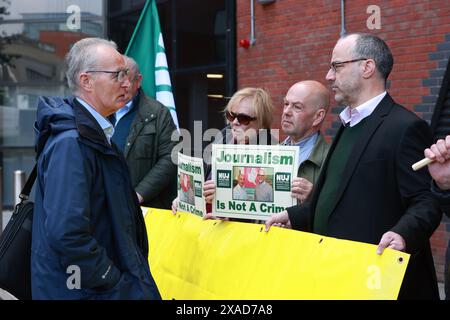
(118, 75)
(335, 65)
(243, 118)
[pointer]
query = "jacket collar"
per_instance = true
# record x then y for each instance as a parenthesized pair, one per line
(147, 111)
(89, 129)
(316, 156)
(150, 111)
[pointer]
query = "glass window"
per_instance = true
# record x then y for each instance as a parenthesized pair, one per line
(200, 33)
(122, 27)
(199, 42)
(35, 37)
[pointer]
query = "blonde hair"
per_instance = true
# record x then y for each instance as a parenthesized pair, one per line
(261, 103)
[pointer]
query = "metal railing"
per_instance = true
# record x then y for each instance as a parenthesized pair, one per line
(19, 182)
(20, 178)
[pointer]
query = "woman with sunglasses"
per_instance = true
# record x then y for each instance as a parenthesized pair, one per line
(249, 116)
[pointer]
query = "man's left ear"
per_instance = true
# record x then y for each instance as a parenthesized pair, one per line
(139, 80)
(319, 116)
(85, 82)
(369, 68)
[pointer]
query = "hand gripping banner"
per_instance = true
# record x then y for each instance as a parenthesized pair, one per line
(195, 259)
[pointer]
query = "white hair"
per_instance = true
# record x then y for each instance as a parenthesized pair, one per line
(82, 57)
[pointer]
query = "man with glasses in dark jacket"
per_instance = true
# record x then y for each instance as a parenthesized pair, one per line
(89, 237)
(366, 190)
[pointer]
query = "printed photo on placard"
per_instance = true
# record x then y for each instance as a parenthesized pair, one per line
(190, 185)
(253, 182)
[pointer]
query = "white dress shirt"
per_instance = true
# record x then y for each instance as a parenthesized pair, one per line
(354, 116)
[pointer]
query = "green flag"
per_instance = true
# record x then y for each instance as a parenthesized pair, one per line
(147, 48)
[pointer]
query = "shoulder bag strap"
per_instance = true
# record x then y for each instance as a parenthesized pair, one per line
(29, 184)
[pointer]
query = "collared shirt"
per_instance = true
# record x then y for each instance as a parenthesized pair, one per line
(355, 115)
(104, 123)
(123, 111)
(306, 146)
(126, 108)
(239, 193)
(263, 192)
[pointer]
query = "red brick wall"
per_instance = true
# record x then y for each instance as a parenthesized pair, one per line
(295, 38)
(60, 40)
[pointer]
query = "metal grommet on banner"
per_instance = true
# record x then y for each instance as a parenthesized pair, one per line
(400, 260)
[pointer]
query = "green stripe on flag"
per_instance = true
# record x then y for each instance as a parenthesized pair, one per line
(163, 88)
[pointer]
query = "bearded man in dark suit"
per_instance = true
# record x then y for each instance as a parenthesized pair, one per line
(367, 190)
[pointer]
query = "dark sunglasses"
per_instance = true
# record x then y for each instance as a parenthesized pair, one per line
(243, 118)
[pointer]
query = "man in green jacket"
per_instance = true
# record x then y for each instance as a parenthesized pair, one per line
(305, 106)
(143, 130)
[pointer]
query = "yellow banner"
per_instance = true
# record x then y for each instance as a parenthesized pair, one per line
(195, 259)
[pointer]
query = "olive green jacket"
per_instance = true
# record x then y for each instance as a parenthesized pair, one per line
(148, 153)
(310, 168)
